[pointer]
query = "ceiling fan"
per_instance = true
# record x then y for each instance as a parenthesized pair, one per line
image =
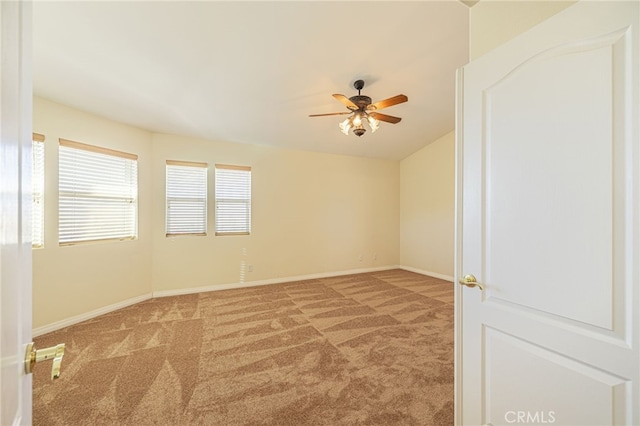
(361, 109)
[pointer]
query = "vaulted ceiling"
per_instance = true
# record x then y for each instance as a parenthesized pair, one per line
(252, 72)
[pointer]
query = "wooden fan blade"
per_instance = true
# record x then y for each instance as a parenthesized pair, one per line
(329, 113)
(398, 99)
(384, 117)
(345, 101)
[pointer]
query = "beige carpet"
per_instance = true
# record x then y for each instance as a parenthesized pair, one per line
(366, 349)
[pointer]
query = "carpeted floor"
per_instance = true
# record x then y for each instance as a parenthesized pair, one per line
(366, 349)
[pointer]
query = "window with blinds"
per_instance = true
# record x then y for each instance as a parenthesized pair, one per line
(37, 191)
(98, 194)
(233, 200)
(186, 198)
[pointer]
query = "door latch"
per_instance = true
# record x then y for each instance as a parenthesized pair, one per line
(470, 281)
(38, 355)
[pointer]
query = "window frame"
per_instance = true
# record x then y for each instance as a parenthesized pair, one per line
(195, 165)
(37, 188)
(219, 200)
(129, 177)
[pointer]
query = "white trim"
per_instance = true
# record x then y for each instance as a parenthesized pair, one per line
(230, 286)
(457, 258)
(215, 287)
(89, 315)
(428, 273)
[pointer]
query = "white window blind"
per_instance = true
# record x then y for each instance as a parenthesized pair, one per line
(37, 191)
(233, 200)
(98, 190)
(186, 198)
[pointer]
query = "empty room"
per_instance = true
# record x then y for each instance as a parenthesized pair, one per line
(320, 213)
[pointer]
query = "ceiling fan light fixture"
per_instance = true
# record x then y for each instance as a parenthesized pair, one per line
(345, 126)
(359, 131)
(356, 122)
(373, 123)
(357, 119)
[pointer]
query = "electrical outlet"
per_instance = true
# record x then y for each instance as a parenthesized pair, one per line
(360, 258)
(375, 256)
(249, 268)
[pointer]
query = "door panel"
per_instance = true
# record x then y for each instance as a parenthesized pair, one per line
(548, 213)
(15, 205)
(554, 383)
(560, 251)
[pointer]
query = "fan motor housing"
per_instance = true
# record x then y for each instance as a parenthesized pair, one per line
(361, 100)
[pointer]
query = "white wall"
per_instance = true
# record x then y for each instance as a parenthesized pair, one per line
(427, 184)
(492, 23)
(72, 280)
(312, 213)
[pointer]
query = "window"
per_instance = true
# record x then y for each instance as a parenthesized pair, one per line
(37, 191)
(186, 198)
(98, 191)
(233, 200)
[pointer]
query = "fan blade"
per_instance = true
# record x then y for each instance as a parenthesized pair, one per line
(384, 117)
(345, 101)
(398, 99)
(330, 113)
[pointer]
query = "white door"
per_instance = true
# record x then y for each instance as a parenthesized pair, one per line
(15, 211)
(548, 221)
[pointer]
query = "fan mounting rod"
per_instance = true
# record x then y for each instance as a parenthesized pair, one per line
(361, 101)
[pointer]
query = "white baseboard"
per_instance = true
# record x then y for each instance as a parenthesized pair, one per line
(89, 315)
(230, 286)
(216, 287)
(428, 273)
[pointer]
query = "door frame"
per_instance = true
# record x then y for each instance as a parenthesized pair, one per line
(457, 236)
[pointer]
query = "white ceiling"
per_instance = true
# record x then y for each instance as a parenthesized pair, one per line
(252, 72)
